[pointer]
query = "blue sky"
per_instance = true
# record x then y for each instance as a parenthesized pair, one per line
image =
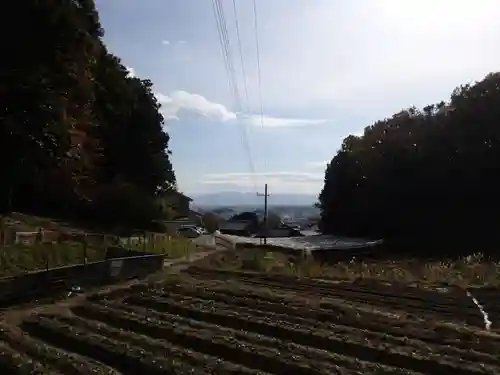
(328, 67)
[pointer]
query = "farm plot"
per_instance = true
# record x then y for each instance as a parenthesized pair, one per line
(233, 323)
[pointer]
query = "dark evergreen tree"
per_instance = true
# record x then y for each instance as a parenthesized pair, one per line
(422, 176)
(77, 135)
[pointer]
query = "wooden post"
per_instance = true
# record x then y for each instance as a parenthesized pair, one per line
(265, 195)
(188, 251)
(2, 231)
(39, 236)
(105, 242)
(85, 246)
(46, 255)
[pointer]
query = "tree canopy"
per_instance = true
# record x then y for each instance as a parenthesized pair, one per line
(426, 174)
(79, 137)
(211, 222)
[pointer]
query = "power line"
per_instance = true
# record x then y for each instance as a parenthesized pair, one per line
(224, 42)
(243, 72)
(240, 51)
(256, 27)
(230, 72)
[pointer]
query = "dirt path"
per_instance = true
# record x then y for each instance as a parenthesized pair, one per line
(16, 315)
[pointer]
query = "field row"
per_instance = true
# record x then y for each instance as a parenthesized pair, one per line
(205, 326)
(453, 305)
(242, 299)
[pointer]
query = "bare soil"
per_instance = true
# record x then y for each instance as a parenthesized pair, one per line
(191, 320)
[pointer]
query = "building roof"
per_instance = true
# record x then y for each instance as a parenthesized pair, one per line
(234, 225)
(178, 193)
(196, 213)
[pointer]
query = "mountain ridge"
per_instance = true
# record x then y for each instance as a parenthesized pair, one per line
(234, 198)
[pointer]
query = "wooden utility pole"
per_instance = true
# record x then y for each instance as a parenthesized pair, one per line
(265, 195)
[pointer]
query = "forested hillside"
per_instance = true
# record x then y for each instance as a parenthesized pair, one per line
(79, 138)
(422, 175)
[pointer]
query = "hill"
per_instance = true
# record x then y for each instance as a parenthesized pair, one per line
(234, 198)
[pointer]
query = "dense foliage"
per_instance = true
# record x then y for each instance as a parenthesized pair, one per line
(211, 222)
(79, 137)
(422, 175)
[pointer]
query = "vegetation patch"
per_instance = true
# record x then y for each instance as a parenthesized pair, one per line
(19, 259)
(48, 244)
(467, 271)
(159, 243)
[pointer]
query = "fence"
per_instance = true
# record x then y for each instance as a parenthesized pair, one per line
(18, 253)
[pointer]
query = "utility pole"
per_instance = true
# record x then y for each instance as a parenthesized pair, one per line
(265, 195)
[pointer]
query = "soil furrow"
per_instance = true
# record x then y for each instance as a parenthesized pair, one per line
(13, 362)
(208, 341)
(159, 347)
(358, 347)
(467, 314)
(311, 353)
(380, 289)
(314, 321)
(129, 360)
(67, 363)
(336, 313)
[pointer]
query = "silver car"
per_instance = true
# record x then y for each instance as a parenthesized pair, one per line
(189, 232)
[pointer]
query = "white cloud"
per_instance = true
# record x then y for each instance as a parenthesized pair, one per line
(193, 103)
(182, 42)
(379, 55)
(199, 105)
(278, 181)
(131, 72)
(279, 122)
(317, 164)
(165, 42)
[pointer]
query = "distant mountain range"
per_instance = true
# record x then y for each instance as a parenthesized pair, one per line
(234, 198)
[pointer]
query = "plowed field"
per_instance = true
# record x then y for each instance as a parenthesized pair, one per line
(221, 322)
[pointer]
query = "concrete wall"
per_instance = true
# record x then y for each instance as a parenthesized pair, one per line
(174, 225)
(41, 284)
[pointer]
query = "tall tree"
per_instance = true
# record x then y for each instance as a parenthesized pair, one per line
(77, 135)
(46, 90)
(421, 174)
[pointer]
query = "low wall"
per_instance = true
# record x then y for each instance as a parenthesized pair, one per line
(121, 252)
(224, 242)
(42, 284)
(173, 225)
(329, 256)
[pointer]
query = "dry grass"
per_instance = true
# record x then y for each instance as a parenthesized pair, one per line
(473, 270)
(18, 259)
(172, 246)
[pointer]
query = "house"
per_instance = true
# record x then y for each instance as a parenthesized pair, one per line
(178, 202)
(237, 227)
(280, 231)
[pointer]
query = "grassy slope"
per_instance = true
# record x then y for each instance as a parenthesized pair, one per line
(473, 270)
(18, 259)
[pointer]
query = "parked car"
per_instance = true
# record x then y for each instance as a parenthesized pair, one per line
(199, 229)
(189, 232)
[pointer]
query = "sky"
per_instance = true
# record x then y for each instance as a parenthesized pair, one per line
(328, 68)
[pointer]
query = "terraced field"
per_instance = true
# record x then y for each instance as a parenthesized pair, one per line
(216, 322)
